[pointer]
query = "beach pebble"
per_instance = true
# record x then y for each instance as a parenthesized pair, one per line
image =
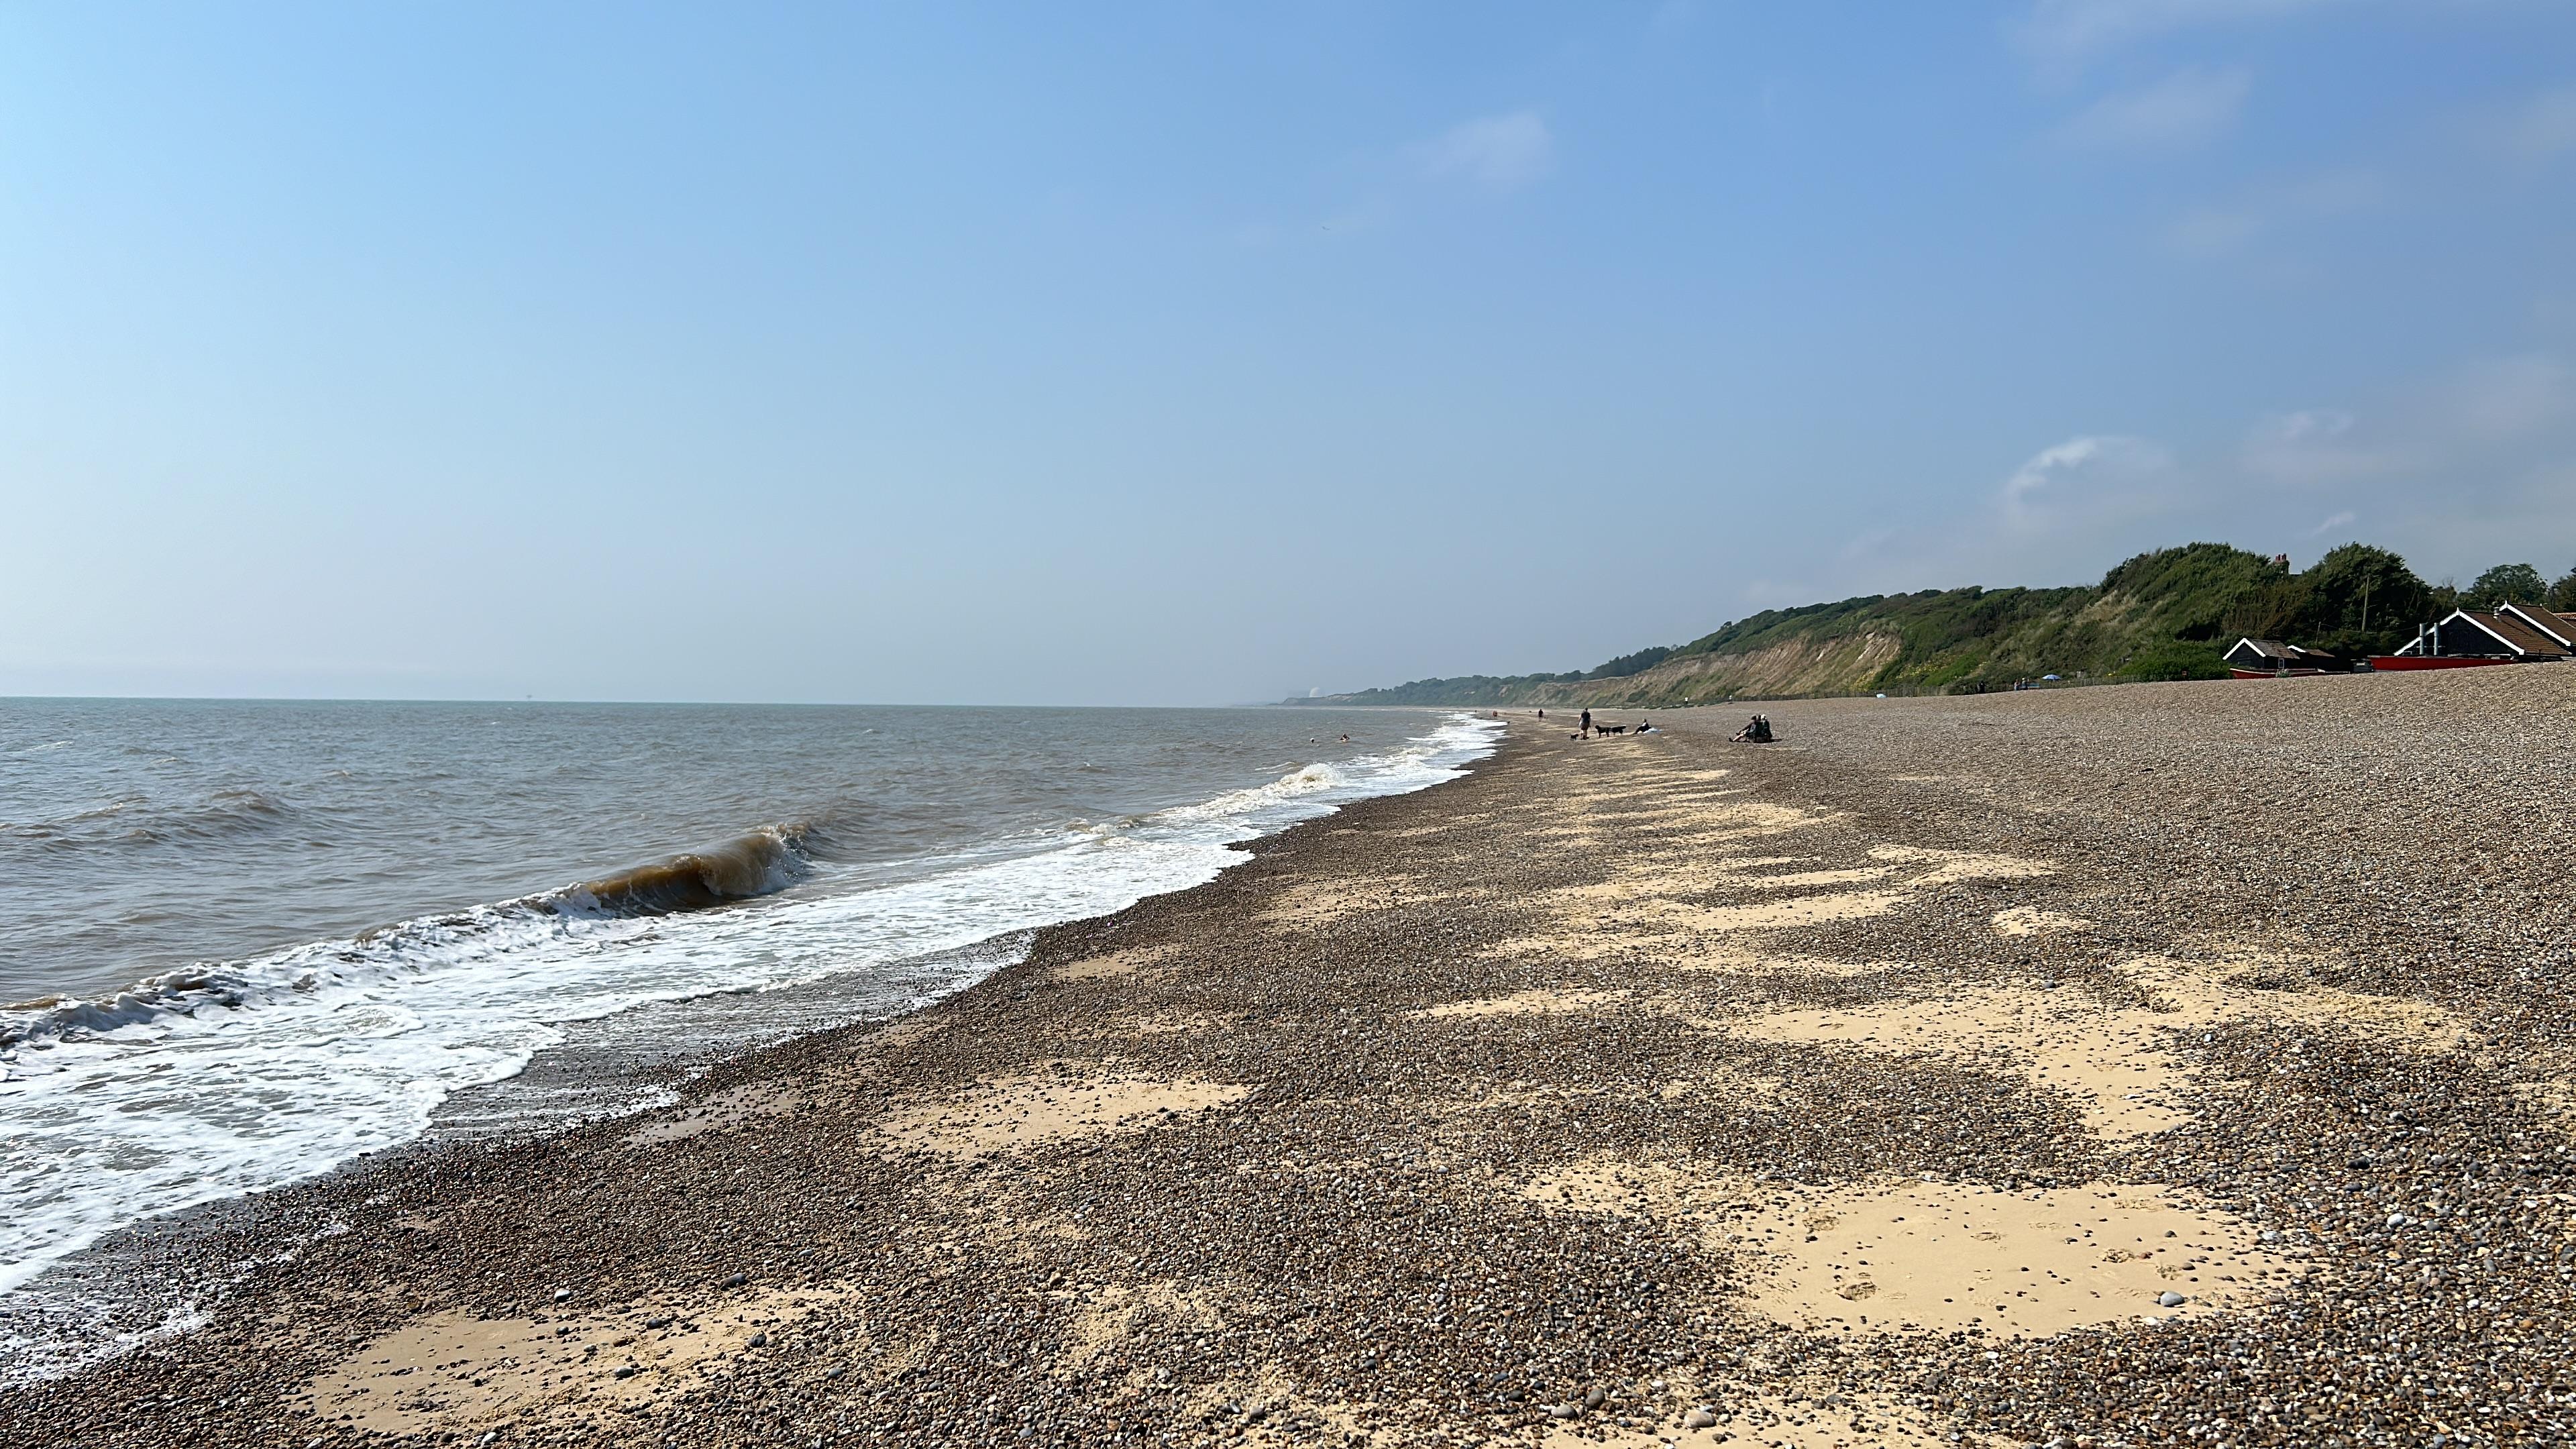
(1698, 1419)
(2171, 1300)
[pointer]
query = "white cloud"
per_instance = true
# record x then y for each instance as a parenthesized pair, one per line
(2186, 108)
(1500, 153)
(2090, 470)
(2215, 230)
(2306, 449)
(2344, 519)
(2062, 35)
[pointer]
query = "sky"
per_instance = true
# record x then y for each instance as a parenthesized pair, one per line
(1202, 353)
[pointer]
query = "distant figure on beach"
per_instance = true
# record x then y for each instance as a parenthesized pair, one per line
(1756, 731)
(1587, 722)
(1542, 714)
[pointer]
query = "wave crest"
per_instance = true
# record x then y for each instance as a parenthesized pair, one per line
(764, 862)
(761, 862)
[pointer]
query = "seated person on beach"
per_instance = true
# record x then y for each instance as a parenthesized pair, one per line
(1756, 731)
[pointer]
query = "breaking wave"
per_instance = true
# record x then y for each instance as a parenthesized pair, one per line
(764, 862)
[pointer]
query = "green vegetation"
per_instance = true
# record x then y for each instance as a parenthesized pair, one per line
(2162, 615)
(2506, 584)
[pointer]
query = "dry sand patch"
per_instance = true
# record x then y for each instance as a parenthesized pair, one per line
(1737, 960)
(1618, 1185)
(1107, 1315)
(1823, 1419)
(731, 1107)
(2113, 1062)
(1117, 964)
(2032, 921)
(1582, 942)
(1933, 1257)
(1811, 879)
(2118, 1062)
(1920, 1257)
(450, 1371)
(1677, 950)
(1039, 1108)
(1782, 914)
(1653, 874)
(1317, 904)
(1953, 867)
(1529, 1003)
(2203, 996)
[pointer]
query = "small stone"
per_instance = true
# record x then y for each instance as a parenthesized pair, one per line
(1698, 1419)
(563, 1295)
(2171, 1300)
(623, 1371)
(759, 1340)
(735, 1281)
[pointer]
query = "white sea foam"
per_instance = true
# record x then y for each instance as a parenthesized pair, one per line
(244, 1076)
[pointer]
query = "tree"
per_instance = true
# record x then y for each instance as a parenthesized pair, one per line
(2562, 594)
(2518, 583)
(2361, 599)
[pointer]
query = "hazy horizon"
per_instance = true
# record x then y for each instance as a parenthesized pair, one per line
(1199, 357)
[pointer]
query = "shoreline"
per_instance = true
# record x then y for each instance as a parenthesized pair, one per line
(119, 1284)
(1652, 1068)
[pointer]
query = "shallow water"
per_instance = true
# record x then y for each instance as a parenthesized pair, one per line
(253, 940)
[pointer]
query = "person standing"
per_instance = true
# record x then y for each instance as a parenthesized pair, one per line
(1587, 722)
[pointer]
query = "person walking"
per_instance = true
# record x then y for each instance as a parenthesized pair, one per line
(1587, 722)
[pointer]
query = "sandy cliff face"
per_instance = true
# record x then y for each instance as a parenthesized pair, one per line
(1790, 667)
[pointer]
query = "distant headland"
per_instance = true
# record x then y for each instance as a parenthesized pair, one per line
(2168, 614)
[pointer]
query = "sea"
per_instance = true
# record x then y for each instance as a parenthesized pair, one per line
(245, 942)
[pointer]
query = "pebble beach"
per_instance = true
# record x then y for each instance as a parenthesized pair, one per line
(2140, 1065)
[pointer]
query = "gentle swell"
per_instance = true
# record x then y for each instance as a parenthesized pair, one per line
(134, 821)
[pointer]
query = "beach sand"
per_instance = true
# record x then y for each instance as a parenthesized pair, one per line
(2144, 1065)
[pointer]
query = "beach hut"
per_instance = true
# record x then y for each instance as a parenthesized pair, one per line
(2558, 628)
(2470, 635)
(2269, 658)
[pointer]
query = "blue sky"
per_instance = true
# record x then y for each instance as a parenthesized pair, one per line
(1200, 353)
